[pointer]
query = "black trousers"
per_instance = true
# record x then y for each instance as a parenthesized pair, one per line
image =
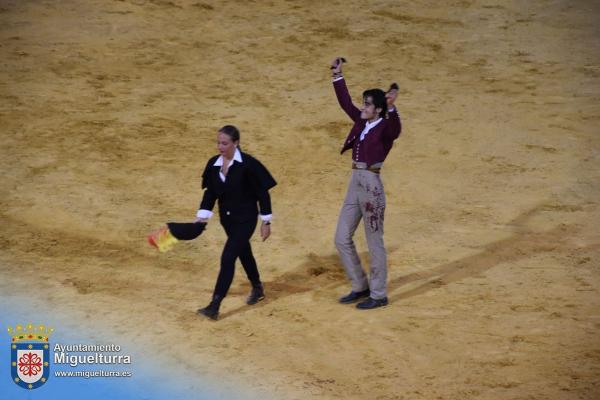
(237, 246)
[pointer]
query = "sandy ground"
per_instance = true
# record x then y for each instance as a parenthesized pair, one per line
(109, 111)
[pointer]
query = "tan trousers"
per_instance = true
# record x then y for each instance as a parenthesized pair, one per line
(364, 200)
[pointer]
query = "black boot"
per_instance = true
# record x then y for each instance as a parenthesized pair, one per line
(212, 310)
(257, 294)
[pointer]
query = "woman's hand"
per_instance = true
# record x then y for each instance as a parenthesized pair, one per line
(203, 220)
(265, 231)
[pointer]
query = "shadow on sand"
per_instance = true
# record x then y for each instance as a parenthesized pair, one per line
(326, 272)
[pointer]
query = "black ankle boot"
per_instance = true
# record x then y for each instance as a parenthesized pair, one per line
(212, 310)
(257, 294)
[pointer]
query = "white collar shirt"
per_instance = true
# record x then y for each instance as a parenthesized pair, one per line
(368, 127)
(237, 156)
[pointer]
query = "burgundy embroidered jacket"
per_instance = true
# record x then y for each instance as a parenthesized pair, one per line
(378, 142)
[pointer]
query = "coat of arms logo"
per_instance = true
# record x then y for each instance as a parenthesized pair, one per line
(30, 355)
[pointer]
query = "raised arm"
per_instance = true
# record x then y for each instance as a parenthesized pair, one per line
(341, 91)
(394, 125)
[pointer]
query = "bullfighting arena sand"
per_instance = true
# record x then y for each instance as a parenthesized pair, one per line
(109, 111)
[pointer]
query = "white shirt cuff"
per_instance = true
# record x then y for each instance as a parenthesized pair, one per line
(392, 109)
(204, 214)
(338, 78)
(266, 218)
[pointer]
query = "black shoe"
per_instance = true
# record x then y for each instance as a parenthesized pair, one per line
(354, 296)
(257, 294)
(372, 303)
(212, 310)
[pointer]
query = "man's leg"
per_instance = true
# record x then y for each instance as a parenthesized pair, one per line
(348, 220)
(373, 207)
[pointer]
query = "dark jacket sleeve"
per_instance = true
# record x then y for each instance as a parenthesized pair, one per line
(393, 126)
(262, 181)
(343, 97)
(264, 202)
(209, 197)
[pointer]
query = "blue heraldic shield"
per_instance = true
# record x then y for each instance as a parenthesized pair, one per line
(30, 359)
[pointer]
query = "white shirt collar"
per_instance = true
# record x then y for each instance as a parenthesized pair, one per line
(237, 156)
(370, 125)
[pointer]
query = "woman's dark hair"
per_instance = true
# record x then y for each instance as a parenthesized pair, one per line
(379, 101)
(233, 133)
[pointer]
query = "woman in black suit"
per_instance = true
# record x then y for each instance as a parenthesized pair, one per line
(238, 181)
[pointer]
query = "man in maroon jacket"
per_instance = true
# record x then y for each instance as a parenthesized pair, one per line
(376, 126)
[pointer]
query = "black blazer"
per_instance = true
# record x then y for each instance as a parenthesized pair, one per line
(247, 184)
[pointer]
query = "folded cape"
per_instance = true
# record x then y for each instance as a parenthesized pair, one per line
(186, 230)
